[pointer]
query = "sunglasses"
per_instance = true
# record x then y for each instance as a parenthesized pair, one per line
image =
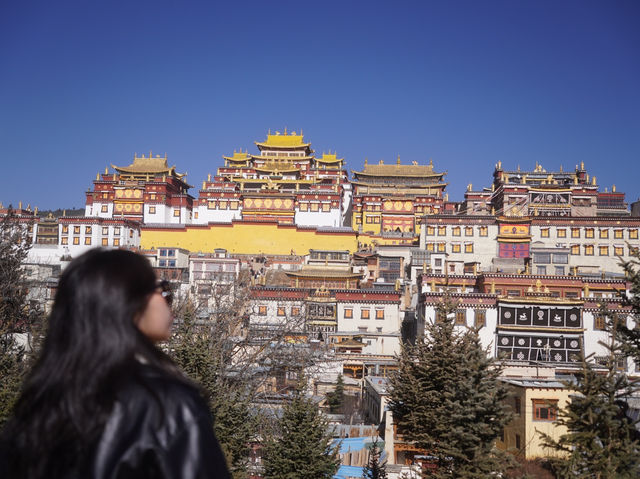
(165, 290)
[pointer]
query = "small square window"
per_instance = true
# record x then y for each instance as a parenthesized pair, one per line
(116, 241)
(87, 240)
(575, 249)
(468, 231)
(364, 313)
(64, 240)
(480, 318)
(589, 233)
(456, 231)
(588, 250)
(633, 234)
(461, 317)
(76, 240)
(575, 232)
(379, 313)
(604, 233)
(76, 230)
(262, 310)
(104, 208)
(618, 234)
(545, 410)
(468, 248)
(176, 212)
(105, 230)
(442, 230)
(105, 241)
(281, 311)
(152, 210)
(348, 313)
(484, 231)
(561, 233)
(603, 250)
(456, 248)
(431, 230)
(544, 232)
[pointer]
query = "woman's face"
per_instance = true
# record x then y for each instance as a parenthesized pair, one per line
(155, 321)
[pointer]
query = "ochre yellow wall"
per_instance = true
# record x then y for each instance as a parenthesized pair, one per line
(247, 238)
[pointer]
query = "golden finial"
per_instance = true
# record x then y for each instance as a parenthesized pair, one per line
(561, 170)
(20, 205)
(366, 162)
(593, 180)
(209, 177)
(97, 176)
(582, 165)
(204, 185)
(64, 212)
(381, 162)
(29, 207)
(285, 130)
(35, 211)
(518, 167)
(301, 132)
(106, 170)
(493, 287)
(398, 159)
(431, 162)
(469, 187)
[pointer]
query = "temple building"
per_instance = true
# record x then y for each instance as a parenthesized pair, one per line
(148, 190)
(285, 183)
(391, 198)
(544, 193)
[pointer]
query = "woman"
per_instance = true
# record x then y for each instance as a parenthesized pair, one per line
(103, 401)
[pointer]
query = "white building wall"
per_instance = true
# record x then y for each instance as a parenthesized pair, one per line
(318, 218)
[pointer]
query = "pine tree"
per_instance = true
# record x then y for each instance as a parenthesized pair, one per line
(301, 447)
(374, 468)
(630, 336)
(447, 399)
(335, 399)
(602, 441)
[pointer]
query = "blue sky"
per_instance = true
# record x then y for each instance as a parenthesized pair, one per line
(87, 84)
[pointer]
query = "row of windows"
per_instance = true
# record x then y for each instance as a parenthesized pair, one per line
(589, 250)
(455, 247)
(89, 229)
(457, 230)
(87, 241)
(348, 312)
(314, 206)
(221, 205)
(479, 317)
(364, 313)
(603, 233)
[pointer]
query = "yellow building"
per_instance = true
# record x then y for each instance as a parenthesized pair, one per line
(249, 237)
(391, 198)
(535, 403)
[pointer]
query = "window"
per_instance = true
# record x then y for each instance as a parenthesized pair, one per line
(575, 249)
(618, 250)
(575, 232)
(561, 258)
(233, 205)
(348, 313)
(65, 229)
(379, 313)
(262, 310)
(431, 230)
(617, 234)
(559, 270)
(480, 318)
(541, 270)
(442, 230)
(441, 247)
(326, 206)
(437, 262)
(544, 258)
(104, 209)
(105, 241)
(116, 241)
(603, 250)
(561, 233)
(303, 206)
(105, 230)
(456, 248)
(468, 248)
(589, 233)
(315, 206)
(76, 230)
(295, 311)
(365, 313)
(484, 231)
(599, 322)
(281, 311)
(430, 247)
(152, 210)
(176, 212)
(130, 233)
(116, 230)
(604, 233)
(517, 406)
(544, 232)
(76, 240)
(468, 231)
(633, 234)
(588, 249)
(456, 231)
(545, 410)
(64, 240)
(461, 317)
(518, 442)
(376, 219)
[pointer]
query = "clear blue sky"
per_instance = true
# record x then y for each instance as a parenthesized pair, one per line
(87, 84)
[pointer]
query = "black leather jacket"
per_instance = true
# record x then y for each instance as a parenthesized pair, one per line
(161, 428)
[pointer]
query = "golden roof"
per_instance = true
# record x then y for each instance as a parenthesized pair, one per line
(324, 272)
(329, 158)
(274, 167)
(238, 156)
(287, 140)
(398, 170)
(148, 165)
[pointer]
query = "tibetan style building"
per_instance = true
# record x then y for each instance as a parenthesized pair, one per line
(544, 193)
(285, 182)
(391, 198)
(148, 190)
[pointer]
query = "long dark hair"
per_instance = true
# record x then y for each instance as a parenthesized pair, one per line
(92, 346)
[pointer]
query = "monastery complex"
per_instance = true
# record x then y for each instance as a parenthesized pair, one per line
(363, 258)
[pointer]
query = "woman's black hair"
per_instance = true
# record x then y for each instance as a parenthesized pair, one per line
(92, 346)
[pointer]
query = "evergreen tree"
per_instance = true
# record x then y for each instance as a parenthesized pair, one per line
(301, 447)
(16, 314)
(447, 399)
(374, 468)
(630, 336)
(335, 399)
(602, 441)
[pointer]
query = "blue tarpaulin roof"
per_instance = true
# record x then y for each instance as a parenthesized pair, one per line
(349, 471)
